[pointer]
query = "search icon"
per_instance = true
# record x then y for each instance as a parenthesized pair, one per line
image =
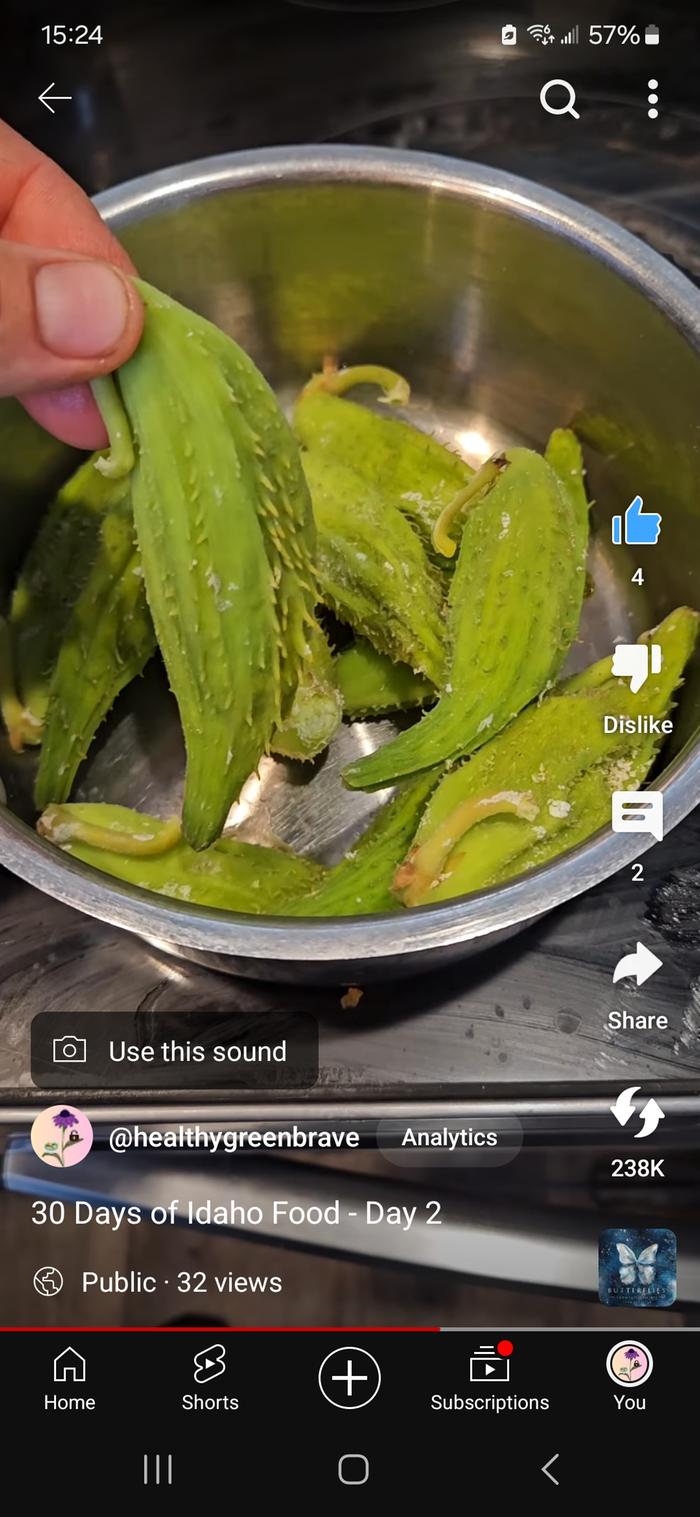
(559, 110)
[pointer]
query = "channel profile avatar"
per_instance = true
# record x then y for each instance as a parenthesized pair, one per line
(61, 1136)
(629, 1362)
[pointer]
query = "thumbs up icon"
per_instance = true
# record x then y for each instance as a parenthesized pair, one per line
(641, 528)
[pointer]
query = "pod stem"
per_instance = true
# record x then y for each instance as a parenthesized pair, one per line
(396, 390)
(23, 728)
(120, 460)
(482, 481)
(60, 825)
(425, 864)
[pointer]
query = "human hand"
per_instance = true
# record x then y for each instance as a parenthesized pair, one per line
(68, 310)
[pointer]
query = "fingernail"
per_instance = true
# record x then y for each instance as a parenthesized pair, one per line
(81, 308)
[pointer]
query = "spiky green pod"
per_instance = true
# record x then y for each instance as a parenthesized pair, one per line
(50, 581)
(284, 506)
(545, 783)
(563, 454)
(371, 684)
(372, 568)
(361, 883)
(225, 547)
(143, 851)
(418, 474)
(106, 643)
(317, 708)
(514, 607)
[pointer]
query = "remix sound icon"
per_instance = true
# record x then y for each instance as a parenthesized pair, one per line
(653, 98)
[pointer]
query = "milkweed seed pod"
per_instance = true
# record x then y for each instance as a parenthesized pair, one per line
(418, 474)
(226, 537)
(151, 854)
(55, 570)
(372, 568)
(362, 882)
(513, 612)
(285, 512)
(371, 684)
(317, 709)
(107, 641)
(563, 454)
(544, 784)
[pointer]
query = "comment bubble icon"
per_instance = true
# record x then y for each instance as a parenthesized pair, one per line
(638, 811)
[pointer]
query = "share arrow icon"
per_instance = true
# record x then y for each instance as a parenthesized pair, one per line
(639, 966)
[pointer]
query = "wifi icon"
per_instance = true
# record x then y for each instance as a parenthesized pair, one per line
(543, 34)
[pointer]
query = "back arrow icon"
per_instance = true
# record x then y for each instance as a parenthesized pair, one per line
(46, 96)
(546, 1470)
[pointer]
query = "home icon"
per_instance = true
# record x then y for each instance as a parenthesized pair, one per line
(69, 1365)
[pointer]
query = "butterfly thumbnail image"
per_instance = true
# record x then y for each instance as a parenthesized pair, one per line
(642, 1268)
(637, 1266)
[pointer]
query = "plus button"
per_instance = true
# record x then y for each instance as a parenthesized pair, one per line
(349, 1379)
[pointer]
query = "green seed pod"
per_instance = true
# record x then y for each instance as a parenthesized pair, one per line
(317, 708)
(373, 570)
(371, 684)
(57, 567)
(514, 607)
(361, 884)
(143, 851)
(106, 643)
(225, 547)
(544, 784)
(21, 725)
(284, 506)
(414, 471)
(564, 456)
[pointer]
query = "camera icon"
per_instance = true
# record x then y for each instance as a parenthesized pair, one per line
(69, 1050)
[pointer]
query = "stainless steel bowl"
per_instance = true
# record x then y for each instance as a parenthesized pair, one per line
(511, 310)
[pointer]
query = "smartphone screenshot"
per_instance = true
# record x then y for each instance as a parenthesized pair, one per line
(350, 749)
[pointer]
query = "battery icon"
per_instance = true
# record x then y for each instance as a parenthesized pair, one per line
(651, 36)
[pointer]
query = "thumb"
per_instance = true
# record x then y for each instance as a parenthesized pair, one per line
(63, 318)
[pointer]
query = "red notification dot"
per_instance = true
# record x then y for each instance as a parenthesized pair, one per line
(505, 1348)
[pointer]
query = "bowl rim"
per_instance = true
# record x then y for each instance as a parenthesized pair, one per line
(170, 923)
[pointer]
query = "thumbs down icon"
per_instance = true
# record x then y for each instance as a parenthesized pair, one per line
(636, 661)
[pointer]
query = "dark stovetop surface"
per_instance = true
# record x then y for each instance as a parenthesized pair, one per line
(527, 1020)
